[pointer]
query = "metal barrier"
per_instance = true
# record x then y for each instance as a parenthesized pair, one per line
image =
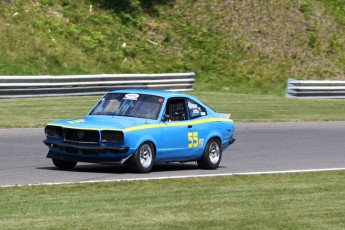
(315, 89)
(70, 85)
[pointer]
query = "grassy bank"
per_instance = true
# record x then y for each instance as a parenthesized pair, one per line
(237, 46)
(36, 112)
(291, 201)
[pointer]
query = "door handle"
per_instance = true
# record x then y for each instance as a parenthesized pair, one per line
(190, 126)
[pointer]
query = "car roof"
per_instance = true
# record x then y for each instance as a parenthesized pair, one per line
(162, 93)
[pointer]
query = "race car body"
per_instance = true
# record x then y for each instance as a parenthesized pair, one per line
(139, 128)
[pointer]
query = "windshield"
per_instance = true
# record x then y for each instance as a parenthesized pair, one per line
(129, 105)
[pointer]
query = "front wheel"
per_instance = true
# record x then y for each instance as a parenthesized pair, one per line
(212, 155)
(142, 160)
(65, 165)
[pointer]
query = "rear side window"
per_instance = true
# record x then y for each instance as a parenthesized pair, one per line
(195, 110)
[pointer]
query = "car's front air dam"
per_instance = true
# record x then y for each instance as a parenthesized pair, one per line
(116, 149)
(101, 160)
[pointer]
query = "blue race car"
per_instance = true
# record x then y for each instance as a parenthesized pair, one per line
(139, 128)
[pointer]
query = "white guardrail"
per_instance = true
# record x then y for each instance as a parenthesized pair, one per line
(70, 85)
(315, 89)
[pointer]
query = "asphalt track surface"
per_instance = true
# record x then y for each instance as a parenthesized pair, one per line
(259, 147)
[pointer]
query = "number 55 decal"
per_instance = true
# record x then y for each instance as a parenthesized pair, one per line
(193, 139)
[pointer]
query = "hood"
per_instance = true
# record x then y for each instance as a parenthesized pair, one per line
(97, 122)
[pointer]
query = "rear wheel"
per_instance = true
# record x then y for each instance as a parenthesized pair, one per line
(65, 165)
(212, 155)
(142, 160)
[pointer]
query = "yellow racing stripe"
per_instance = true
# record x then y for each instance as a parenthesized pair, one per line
(176, 124)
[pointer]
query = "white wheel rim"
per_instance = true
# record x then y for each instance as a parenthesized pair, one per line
(145, 156)
(214, 153)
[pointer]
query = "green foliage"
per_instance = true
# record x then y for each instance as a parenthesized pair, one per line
(337, 7)
(313, 40)
(238, 46)
(305, 8)
(47, 2)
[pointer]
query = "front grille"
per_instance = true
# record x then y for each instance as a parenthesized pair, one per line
(79, 135)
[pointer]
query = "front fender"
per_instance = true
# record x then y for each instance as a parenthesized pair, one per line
(134, 139)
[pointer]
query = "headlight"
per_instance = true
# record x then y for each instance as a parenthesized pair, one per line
(53, 131)
(111, 136)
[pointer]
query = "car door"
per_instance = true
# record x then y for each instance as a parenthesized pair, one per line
(177, 134)
(198, 128)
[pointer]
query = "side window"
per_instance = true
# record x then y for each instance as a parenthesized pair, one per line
(195, 110)
(176, 110)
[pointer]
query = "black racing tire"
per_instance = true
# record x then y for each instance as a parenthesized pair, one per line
(212, 155)
(143, 158)
(65, 165)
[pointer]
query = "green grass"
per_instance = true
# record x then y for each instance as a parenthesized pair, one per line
(289, 201)
(36, 112)
(236, 46)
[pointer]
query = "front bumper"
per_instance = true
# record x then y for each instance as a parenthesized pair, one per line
(76, 147)
(86, 153)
